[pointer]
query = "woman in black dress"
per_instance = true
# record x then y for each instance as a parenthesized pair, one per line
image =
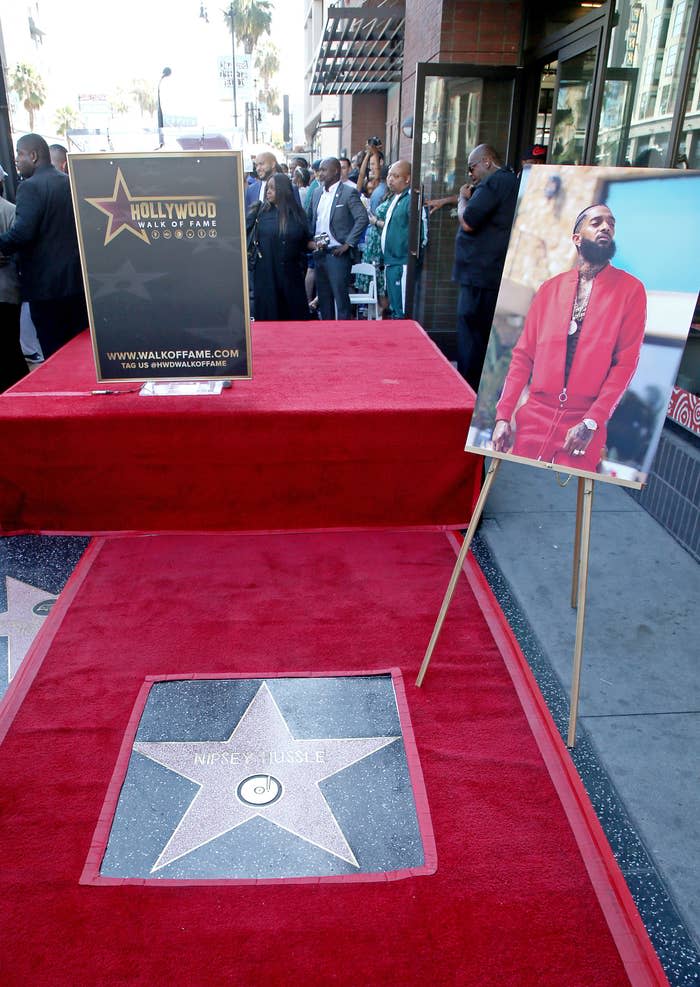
(282, 236)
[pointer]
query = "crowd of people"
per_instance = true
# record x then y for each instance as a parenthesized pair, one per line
(307, 226)
(356, 210)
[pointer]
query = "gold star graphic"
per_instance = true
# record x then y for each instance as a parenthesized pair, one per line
(118, 208)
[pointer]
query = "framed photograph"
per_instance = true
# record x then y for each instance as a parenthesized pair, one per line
(597, 296)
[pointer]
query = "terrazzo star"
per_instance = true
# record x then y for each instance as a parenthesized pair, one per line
(231, 792)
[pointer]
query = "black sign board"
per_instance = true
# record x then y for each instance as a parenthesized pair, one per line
(162, 243)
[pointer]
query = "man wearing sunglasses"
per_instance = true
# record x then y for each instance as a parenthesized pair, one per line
(485, 210)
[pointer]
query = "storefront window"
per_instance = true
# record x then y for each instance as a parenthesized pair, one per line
(641, 81)
(689, 157)
(689, 149)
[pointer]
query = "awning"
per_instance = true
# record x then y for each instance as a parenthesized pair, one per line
(361, 51)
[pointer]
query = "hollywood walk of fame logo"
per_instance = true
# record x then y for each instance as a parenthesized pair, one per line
(258, 803)
(27, 608)
(137, 214)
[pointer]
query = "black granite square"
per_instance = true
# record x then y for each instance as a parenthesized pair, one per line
(269, 779)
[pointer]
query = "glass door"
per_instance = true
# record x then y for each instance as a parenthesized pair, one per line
(573, 101)
(456, 108)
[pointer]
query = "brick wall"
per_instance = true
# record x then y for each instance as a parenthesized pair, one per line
(486, 33)
(366, 118)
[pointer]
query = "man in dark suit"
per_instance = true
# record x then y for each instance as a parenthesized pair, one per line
(44, 238)
(338, 218)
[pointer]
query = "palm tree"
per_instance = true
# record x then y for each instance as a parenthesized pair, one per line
(142, 94)
(270, 97)
(267, 62)
(29, 86)
(249, 19)
(118, 103)
(65, 119)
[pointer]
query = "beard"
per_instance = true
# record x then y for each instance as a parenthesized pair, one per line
(596, 253)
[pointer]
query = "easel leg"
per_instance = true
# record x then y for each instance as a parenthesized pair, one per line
(582, 581)
(577, 542)
(478, 510)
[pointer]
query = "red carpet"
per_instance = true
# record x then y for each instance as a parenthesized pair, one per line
(358, 424)
(511, 903)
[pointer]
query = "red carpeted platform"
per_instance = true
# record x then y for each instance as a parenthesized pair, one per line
(343, 425)
(526, 891)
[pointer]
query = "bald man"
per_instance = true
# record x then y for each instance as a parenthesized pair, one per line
(59, 157)
(394, 234)
(486, 208)
(265, 165)
(338, 220)
(44, 239)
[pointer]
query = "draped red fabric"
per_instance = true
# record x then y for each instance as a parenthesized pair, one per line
(511, 902)
(343, 424)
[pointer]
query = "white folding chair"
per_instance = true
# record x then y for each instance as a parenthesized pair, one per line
(370, 297)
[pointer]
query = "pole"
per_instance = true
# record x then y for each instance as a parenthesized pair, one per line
(233, 65)
(495, 463)
(577, 542)
(580, 608)
(164, 74)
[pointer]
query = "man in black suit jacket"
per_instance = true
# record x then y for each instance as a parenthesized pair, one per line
(336, 211)
(43, 235)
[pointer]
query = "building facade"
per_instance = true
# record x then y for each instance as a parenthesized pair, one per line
(610, 83)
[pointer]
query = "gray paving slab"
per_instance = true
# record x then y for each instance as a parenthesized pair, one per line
(641, 642)
(640, 699)
(660, 784)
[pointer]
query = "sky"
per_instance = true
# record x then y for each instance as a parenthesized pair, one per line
(94, 48)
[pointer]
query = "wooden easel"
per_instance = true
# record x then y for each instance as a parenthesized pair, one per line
(582, 537)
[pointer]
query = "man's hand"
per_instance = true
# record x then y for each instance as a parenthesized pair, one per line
(577, 439)
(466, 191)
(339, 251)
(435, 204)
(502, 437)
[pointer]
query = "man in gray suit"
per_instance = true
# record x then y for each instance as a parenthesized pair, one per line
(337, 220)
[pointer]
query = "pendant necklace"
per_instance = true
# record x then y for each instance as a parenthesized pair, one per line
(583, 294)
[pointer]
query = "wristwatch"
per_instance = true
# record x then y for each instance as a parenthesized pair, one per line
(590, 424)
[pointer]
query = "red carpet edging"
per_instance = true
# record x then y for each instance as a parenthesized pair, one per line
(622, 916)
(21, 683)
(511, 903)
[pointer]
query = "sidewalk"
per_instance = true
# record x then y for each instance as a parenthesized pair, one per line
(639, 716)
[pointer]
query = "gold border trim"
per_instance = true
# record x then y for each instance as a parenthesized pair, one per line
(237, 159)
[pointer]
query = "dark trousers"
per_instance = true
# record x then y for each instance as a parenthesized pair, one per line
(12, 363)
(475, 309)
(58, 320)
(333, 284)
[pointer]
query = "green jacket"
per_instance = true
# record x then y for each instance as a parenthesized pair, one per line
(396, 242)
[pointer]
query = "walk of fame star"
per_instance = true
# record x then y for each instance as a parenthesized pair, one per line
(118, 208)
(260, 771)
(27, 608)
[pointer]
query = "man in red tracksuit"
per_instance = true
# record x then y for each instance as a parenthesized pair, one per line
(578, 351)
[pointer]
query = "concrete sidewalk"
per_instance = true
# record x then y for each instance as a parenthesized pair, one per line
(639, 723)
